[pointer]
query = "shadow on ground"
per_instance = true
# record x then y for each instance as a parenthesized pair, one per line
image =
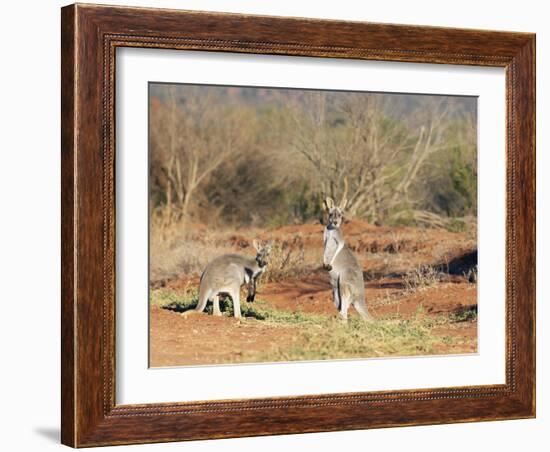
(226, 307)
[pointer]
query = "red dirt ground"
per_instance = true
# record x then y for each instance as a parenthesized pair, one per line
(382, 251)
(171, 334)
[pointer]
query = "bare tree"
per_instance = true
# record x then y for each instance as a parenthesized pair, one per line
(363, 146)
(192, 134)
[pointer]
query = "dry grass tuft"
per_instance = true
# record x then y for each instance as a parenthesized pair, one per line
(285, 261)
(179, 249)
(421, 277)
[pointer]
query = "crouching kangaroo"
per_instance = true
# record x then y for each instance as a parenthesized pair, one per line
(346, 275)
(226, 274)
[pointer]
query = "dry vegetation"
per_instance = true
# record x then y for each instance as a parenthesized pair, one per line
(266, 157)
(229, 165)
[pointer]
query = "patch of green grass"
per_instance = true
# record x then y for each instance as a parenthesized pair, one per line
(320, 336)
(330, 338)
(189, 300)
(464, 314)
(259, 309)
(456, 225)
(165, 297)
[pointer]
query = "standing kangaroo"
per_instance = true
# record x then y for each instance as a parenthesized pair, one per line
(226, 274)
(346, 275)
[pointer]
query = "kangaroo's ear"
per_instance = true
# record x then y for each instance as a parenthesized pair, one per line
(269, 246)
(256, 245)
(328, 203)
(343, 204)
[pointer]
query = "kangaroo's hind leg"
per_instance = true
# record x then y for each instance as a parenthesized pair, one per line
(217, 311)
(343, 298)
(336, 297)
(344, 306)
(235, 294)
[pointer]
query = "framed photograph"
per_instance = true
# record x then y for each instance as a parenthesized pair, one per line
(280, 225)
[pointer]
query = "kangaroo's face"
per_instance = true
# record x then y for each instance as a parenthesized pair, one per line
(335, 218)
(334, 213)
(262, 253)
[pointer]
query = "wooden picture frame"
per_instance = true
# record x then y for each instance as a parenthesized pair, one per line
(90, 36)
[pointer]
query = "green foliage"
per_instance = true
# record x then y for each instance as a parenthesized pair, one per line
(464, 314)
(456, 225)
(296, 204)
(452, 191)
(464, 181)
(404, 217)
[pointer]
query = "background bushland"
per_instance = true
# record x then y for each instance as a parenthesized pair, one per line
(243, 156)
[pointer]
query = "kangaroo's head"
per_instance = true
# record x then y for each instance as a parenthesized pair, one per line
(334, 213)
(262, 252)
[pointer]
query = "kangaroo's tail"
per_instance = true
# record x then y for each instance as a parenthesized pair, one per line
(204, 295)
(361, 308)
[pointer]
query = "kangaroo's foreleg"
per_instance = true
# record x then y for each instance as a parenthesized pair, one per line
(251, 290)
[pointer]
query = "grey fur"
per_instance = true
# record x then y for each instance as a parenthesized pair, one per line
(226, 274)
(346, 275)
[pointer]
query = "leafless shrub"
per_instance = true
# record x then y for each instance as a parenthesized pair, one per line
(286, 260)
(421, 278)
